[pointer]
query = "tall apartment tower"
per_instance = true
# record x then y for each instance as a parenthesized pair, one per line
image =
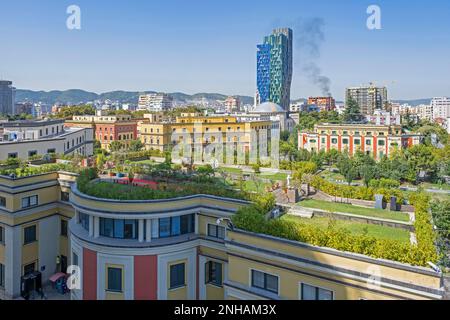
(369, 98)
(274, 68)
(7, 97)
(155, 102)
(440, 107)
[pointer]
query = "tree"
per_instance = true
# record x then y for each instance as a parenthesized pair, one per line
(136, 145)
(441, 217)
(347, 169)
(115, 146)
(367, 173)
(352, 112)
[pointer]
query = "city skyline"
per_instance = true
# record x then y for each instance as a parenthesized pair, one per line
(110, 53)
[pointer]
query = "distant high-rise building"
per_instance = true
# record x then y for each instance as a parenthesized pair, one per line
(274, 68)
(369, 98)
(232, 104)
(7, 97)
(155, 102)
(440, 107)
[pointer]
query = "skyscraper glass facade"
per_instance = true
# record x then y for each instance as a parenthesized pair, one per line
(263, 72)
(274, 68)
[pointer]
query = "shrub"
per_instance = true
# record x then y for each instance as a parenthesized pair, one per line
(252, 218)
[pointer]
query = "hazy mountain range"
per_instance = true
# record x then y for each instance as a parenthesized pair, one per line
(76, 96)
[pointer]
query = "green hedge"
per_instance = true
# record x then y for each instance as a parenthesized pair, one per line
(362, 193)
(253, 218)
(108, 190)
(26, 171)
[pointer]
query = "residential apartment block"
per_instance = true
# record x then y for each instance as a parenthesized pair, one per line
(376, 140)
(369, 98)
(440, 107)
(25, 139)
(155, 102)
(232, 104)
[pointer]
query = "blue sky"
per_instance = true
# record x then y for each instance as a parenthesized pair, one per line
(210, 45)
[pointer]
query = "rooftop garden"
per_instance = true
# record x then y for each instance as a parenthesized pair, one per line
(354, 228)
(357, 210)
(170, 183)
(374, 242)
(25, 170)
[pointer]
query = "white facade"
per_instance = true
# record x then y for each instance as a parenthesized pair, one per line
(441, 107)
(25, 142)
(155, 102)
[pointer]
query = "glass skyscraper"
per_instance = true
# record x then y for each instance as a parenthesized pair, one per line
(274, 68)
(7, 92)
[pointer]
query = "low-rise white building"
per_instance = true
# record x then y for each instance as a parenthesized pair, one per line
(25, 139)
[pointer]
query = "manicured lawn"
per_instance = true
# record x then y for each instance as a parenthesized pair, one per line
(348, 208)
(251, 186)
(150, 162)
(435, 186)
(231, 170)
(356, 228)
(273, 176)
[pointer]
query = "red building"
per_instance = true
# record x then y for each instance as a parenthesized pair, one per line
(107, 129)
(322, 103)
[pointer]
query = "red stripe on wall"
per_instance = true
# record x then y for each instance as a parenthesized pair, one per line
(145, 277)
(89, 274)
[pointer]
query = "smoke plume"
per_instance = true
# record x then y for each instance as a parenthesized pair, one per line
(309, 38)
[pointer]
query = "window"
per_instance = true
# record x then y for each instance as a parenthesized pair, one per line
(83, 219)
(213, 273)
(2, 276)
(334, 140)
(117, 228)
(29, 201)
(177, 276)
(29, 268)
(368, 142)
(2, 235)
(2, 202)
(315, 293)
(64, 196)
(12, 155)
(323, 140)
(216, 231)
(114, 279)
(51, 151)
(175, 226)
(29, 234)
(32, 153)
(357, 142)
(345, 141)
(264, 281)
(381, 142)
(74, 259)
(64, 228)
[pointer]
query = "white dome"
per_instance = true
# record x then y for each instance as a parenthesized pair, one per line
(268, 107)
